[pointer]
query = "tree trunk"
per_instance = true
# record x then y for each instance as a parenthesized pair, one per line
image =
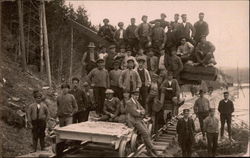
(46, 44)
(20, 13)
(60, 62)
(71, 53)
(41, 40)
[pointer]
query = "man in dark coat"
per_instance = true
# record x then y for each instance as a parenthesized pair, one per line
(226, 108)
(83, 112)
(185, 28)
(107, 31)
(185, 129)
(131, 38)
(201, 28)
(89, 59)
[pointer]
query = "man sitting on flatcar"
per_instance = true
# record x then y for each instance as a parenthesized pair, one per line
(111, 107)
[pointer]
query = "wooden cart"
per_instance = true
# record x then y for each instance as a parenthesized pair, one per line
(117, 135)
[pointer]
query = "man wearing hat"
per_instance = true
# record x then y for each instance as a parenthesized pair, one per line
(140, 54)
(143, 33)
(211, 127)
(107, 31)
(204, 52)
(158, 36)
(37, 115)
(162, 21)
(120, 35)
(226, 108)
(111, 107)
(145, 80)
(201, 109)
(111, 56)
(170, 91)
(186, 129)
(128, 55)
(185, 50)
(114, 76)
(135, 115)
(131, 38)
(175, 23)
(89, 59)
(99, 79)
(130, 79)
(201, 28)
(185, 28)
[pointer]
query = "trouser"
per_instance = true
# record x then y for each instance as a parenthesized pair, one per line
(81, 116)
(143, 96)
(65, 120)
(159, 120)
(150, 103)
(157, 44)
(226, 118)
(99, 95)
(201, 117)
(38, 132)
(186, 147)
(143, 131)
(143, 42)
(117, 91)
(212, 141)
(185, 58)
(133, 43)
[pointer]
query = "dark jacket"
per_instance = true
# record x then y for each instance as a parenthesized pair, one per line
(133, 114)
(107, 32)
(181, 130)
(80, 97)
(226, 108)
(185, 31)
(117, 35)
(200, 29)
(66, 105)
(130, 31)
(32, 112)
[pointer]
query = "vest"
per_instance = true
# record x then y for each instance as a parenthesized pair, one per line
(142, 75)
(87, 60)
(169, 94)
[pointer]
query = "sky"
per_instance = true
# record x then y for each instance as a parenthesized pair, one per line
(228, 21)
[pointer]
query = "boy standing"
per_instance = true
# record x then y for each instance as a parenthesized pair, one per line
(37, 115)
(114, 79)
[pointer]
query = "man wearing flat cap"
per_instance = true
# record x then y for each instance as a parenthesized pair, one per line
(89, 59)
(135, 115)
(201, 109)
(120, 36)
(226, 108)
(162, 21)
(211, 127)
(186, 129)
(111, 57)
(114, 76)
(175, 23)
(201, 28)
(107, 31)
(143, 33)
(145, 80)
(185, 28)
(131, 38)
(99, 80)
(130, 79)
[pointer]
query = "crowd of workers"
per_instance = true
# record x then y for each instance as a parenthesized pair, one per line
(139, 81)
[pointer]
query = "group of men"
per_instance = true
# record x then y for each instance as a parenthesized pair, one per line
(209, 124)
(183, 42)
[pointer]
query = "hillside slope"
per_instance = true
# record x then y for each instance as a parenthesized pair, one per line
(16, 90)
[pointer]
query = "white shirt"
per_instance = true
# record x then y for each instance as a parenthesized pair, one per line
(225, 100)
(170, 83)
(121, 33)
(184, 24)
(161, 63)
(38, 106)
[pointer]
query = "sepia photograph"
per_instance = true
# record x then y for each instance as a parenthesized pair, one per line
(124, 78)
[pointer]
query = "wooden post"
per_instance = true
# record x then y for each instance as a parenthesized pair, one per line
(71, 52)
(46, 44)
(20, 13)
(41, 40)
(0, 28)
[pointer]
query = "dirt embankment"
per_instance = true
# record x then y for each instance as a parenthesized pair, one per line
(16, 90)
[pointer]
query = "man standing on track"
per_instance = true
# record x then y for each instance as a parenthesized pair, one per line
(185, 129)
(201, 109)
(226, 108)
